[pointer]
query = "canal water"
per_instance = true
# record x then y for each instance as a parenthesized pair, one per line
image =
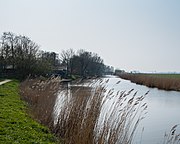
(163, 110)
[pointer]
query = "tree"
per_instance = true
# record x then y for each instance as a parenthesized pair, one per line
(85, 59)
(25, 55)
(9, 42)
(51, 57)
(86, 63)
(20, 54)
(66, 58)
(7, 50)
(96, 65)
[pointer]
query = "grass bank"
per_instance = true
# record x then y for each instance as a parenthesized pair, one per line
(16, 126)
(160, 81)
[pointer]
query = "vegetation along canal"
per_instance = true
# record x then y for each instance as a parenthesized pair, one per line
(163, 109)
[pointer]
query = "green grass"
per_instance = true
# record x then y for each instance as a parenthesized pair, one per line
(16, 126)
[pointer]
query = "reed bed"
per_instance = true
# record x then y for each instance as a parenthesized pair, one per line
(40, 96)
(80, 119)
(165, 83)
(84, 117)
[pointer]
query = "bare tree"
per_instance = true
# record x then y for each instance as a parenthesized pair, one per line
(18, 54)
(8, 39)
(25, 55)
(87, 64)
(66, 58)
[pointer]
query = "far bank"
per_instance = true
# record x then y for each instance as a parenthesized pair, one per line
(160, 81)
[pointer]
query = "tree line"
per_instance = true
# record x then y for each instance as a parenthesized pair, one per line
(21, 57)
(82, 63)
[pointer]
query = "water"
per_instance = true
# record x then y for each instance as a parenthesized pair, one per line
(163, 110)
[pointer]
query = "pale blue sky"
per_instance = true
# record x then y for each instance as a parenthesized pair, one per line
(128, 34)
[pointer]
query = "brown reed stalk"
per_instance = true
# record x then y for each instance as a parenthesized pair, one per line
(40, 96)
(172, 137)
(78, 120)
(153, 81)
(81, 119)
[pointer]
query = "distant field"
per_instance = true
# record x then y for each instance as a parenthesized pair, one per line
(165, 75)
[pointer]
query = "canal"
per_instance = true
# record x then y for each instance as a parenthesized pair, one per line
(163, 109)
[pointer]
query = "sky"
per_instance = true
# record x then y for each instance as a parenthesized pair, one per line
(142, 35)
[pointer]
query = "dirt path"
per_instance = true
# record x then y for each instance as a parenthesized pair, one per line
(5, 81)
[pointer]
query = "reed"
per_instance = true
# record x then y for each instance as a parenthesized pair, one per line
(173, 137)
(40, 96)
(165, 83)
(84, 118)
(81, 119)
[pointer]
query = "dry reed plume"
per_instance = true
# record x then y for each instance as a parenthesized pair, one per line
(80, 120)
(84, 119)
(172, 137)
(40, 96)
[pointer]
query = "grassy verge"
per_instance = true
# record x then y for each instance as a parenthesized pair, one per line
(161, 81)
(15, 125)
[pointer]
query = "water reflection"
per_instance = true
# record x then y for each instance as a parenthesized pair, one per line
(163, 107)
(67, 92)
(163, 111)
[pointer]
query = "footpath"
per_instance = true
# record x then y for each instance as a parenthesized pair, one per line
(5, 81)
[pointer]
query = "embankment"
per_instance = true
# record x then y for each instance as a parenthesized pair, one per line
(16, 126)
(153, 80)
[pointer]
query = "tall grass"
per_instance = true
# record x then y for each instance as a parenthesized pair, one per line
(165, 83)
(172, 137)
(40, 96)
(84, 118)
